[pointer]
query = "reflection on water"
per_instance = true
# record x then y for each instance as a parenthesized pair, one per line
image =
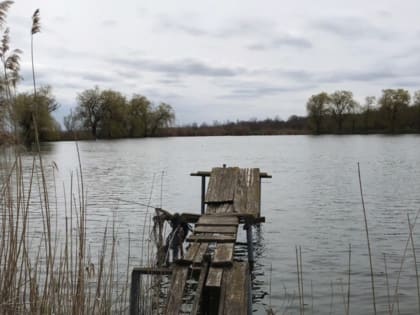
(313, 200)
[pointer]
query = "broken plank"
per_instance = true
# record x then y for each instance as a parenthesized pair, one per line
(222, 184)
(230, 229)
(214, 277)
(212, 237)
(223, 255)
(190, 254)
(200, 253)
(218, 220)
(179, 277)
(199, 290)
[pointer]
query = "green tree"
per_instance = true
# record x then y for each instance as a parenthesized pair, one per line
(139, 113)
(162, 116)
(89, 109)
(367, 109)
(341, 103)
(113, 111)
(416, 107)
(27, 106)
(392, 103)
(317, 110)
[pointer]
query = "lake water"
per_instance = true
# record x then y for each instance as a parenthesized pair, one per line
(312, 201)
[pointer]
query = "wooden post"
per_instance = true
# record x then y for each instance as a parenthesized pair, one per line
(250, 292)
(250, 245)
(134, 293)
(203, 193)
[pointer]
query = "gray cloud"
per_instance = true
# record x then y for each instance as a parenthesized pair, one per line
(242, 27)
(190, 67)
(256, 91)
(368, 75)
(281, 42)
(350, 28)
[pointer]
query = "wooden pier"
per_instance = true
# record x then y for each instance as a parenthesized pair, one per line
(223, 283)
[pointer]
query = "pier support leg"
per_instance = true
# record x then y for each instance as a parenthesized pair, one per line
(250, 293)
(250, 245)
(134, 293)
(203, 193)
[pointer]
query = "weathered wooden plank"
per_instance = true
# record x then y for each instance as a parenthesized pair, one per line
(247, 192)
(212, 237)
(199, 290)
(222, 184)
(152, 271)
(253, 193)
(223, 255)
(200, 253)
(219, 208)
(240, 198)
(179, 277)
(189, 255)
(229, 229)
(218, 220)
(236, 291)
(214, 277)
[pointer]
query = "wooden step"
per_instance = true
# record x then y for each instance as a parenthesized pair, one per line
(223, 255)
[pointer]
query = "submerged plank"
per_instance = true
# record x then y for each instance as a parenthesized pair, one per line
(222, 184)
(179, 277)
(223, 255)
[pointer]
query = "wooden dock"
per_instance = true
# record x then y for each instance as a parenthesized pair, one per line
(223, 283)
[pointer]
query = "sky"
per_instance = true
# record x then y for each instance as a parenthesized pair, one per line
(220, 60)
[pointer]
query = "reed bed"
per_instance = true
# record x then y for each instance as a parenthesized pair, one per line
(47, 267)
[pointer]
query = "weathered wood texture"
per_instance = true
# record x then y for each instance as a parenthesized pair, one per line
(247, 192)
(178, 281)
(235, 290)
(223, 255)
(214, 277)
(222, 184)
(218, 220)
(229, 229)
(234, 191)
(199, 290)
(198, 259)
(212, 237)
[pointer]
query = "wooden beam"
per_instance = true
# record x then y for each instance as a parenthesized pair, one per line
(225, 229)
(218, 220)
(208, 237)
(176, 292)
(199, 290)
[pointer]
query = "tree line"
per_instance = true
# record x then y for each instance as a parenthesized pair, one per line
(396, 111)
(109, 114)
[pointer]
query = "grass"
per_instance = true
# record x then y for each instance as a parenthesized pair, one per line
(42, 270)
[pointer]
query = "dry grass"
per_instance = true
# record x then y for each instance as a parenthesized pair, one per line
(41, 270)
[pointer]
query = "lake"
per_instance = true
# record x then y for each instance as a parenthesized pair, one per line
(312, 201)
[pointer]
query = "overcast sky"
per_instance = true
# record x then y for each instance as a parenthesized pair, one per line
(220, 60)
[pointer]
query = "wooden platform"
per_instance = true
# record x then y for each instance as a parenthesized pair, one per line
(223, 284)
